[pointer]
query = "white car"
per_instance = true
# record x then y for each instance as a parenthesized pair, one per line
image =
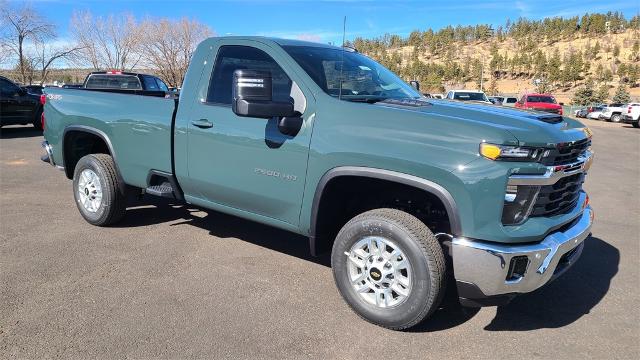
(437, 96)
(613, 112)
(468, 95)
(595, 114)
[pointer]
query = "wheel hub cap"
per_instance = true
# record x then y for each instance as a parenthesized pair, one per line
(89, 190)
(379, 271)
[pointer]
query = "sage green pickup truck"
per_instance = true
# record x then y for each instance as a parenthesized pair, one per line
(409, 194)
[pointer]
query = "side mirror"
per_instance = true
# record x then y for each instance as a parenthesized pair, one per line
(252, 96)
(415, 84)
(561, 104)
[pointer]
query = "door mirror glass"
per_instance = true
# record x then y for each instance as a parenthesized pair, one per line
(415, 84)
(252, 95)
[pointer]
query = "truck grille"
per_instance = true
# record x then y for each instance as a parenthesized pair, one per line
(559, 198)
(566, 153)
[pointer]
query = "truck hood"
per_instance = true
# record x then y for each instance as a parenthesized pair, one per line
(530, 128)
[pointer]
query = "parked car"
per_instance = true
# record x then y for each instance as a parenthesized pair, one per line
(581, 113)
(539, 102)
(468, 95)
(595, 112)
(632, 115)
(17, 106)
(437, 96)
(613, 112)
(408, 193)
(118, 80)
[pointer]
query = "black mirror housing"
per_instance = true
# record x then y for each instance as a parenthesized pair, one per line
(415, 84)
(252, 95)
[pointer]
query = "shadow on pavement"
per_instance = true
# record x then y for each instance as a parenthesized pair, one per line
(222, 226)
(557, 304)
(567, 299)
(19, 132)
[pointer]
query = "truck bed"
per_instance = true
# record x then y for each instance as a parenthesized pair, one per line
(137, 127)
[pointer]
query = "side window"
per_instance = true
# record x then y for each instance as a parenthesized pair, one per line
(150, 83)
(232, 58)
(161, 85)
(449, 95)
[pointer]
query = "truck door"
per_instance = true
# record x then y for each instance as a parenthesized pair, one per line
(15, 106)
(242, 162)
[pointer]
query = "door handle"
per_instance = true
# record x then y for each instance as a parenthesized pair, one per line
(202, 123)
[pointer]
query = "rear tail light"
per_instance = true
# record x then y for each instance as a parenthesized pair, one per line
(560, 111)
(43, 99)
(629, 110)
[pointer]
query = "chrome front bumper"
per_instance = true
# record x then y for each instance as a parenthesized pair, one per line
(482, 269)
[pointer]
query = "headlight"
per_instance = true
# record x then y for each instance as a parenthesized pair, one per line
(509, 153)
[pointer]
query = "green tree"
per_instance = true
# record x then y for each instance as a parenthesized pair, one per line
(621, 95)
(602, 94)
(584, 95)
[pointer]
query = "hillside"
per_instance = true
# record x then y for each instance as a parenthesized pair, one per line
(564, 54)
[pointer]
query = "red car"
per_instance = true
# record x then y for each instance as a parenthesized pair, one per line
(539, 102)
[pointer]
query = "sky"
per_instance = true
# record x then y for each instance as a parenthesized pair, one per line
(321, 20)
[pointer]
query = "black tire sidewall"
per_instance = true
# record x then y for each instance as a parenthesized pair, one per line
(414, 305)
(99, 217)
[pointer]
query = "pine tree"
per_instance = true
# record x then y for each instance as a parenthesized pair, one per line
(602, 94)
(584, 95)
(622, 95)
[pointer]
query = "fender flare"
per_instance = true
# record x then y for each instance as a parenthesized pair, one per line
(99, 133)
(428, 186)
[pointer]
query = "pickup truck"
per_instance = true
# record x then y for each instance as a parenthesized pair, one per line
(539, 102)
(407, 193)
(613, 112)
(632, 115)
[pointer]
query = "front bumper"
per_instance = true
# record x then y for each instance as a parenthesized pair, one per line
(484, 271)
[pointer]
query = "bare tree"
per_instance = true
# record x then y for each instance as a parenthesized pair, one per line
(45, 55)
(109, 42)
(20, 26)
(167, 46)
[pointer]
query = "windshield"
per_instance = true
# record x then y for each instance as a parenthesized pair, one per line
(466, 96)
(542, 99)
(362, 78)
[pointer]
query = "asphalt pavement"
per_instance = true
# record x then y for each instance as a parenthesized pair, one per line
(174, 281)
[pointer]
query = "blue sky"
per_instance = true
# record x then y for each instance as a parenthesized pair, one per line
(322, 20)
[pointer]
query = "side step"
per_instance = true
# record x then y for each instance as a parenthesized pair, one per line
(163, 190)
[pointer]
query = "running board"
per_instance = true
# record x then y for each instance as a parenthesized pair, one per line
(163, 190)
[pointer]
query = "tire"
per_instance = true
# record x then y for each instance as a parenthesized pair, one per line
(635, 124)
(37, 121)
(615, 118)
(425, 270)
(94, 175)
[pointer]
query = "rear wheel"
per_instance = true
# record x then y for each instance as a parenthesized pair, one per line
(97, 190)
(389, 267)
(615, 118)
(635, 124)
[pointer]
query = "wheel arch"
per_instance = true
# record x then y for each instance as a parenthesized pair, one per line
(412, 181)
(70, 161)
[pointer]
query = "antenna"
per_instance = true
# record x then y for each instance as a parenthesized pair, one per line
(344, 30)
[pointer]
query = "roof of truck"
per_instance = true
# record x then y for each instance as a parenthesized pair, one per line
(279, 41)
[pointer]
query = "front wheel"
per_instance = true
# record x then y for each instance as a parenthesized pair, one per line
(389, 267)
(97, 190)
(635, 124)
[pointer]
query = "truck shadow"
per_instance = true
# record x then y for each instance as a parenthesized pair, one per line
(222, 226)
(15, 132)
(567, 299)
(557, 304)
